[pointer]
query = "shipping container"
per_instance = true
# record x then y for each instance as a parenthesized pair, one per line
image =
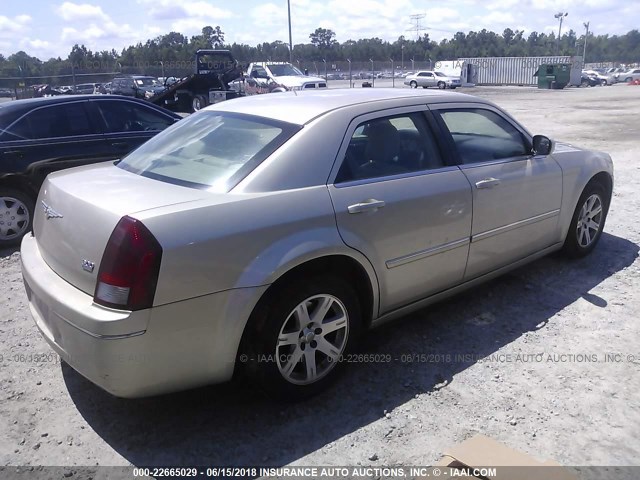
(509, 70)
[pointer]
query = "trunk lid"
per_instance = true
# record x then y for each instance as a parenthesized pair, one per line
(78, 209)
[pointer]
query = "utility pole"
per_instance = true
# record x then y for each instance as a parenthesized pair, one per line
(290, 41)
(584, 48)
(416, 19)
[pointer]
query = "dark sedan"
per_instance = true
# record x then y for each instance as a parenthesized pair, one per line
(42, 135)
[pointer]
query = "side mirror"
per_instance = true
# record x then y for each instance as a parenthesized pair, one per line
(542, 145)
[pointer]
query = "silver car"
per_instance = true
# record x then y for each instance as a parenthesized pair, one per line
(428, 78)
(263, 235)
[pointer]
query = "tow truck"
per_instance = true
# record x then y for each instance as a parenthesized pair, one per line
(214, 71)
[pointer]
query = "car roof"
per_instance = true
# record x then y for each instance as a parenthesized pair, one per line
(303, 106)
(27, 104)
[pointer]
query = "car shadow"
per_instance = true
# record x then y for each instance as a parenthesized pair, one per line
(234, 424)
(7, 252)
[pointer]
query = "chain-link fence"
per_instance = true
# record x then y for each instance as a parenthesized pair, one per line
(103, 72)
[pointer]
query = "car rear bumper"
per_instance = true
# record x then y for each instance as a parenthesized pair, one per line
(136, 354)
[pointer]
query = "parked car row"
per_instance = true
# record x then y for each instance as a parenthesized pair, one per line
(609, 76)
(42, 135)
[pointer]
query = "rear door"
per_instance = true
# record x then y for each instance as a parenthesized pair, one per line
(54, 137)
(400, 204)
(516, 195)
(128, 124)
(426, 79)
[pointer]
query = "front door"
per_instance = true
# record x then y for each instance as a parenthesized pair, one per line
(516, 195)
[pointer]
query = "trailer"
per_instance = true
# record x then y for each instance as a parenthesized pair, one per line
(214, 71)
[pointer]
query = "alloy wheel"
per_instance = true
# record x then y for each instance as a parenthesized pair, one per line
(589, 221)
(14, 218)
(312, 339)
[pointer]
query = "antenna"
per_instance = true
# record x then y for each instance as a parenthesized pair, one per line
(416, 18)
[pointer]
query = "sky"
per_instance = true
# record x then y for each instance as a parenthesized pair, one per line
(48, 29)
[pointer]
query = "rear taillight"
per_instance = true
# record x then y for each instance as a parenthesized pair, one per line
(130, 267)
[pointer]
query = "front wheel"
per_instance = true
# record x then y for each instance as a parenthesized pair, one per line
(413, 84)
(297, 338)
(587, 222)
(198, 103)
(442, 85)
(16, 216)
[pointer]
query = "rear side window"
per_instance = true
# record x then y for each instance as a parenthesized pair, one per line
(65, 120)
(125, 116)
(482, 135)
(390, 146)
(209, 150)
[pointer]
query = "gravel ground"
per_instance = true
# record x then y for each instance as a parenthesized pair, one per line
(522, 359)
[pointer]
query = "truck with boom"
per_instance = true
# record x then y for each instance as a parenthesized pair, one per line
(214, 71)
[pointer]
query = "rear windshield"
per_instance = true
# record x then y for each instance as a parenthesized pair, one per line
(209, 150)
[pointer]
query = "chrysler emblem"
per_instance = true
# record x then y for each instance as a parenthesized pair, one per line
(50, 212)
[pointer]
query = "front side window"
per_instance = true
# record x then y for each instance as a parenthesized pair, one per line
(209, 150)
(63, 120)
(483, 135)
(390, 146)
(123, 116)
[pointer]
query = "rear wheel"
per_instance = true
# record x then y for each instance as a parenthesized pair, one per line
(588, 220)
(16, 216)
(296, 338)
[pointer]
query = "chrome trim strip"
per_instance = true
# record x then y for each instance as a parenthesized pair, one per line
(436, 297)
(412, 257)
(513, 226)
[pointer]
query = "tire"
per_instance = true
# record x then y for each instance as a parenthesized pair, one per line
(276, 347)
(198, 103)
(442, 85)
(628, 79)
(582, 237)
(16, 216)
(413, 84)
(604, 83)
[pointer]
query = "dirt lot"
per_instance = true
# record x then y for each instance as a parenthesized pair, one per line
(544, 385)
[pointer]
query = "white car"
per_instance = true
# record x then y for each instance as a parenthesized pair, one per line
(429, 78)
(603, 78)
(629, 76)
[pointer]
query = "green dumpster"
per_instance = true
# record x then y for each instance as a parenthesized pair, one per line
(554, 75)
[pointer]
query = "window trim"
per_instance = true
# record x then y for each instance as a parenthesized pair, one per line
(451, 145)
(393, 112)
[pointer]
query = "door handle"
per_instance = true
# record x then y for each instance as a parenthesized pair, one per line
(488, 183)
(367, 205)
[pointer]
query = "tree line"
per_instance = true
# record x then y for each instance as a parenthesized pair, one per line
(172, 53)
